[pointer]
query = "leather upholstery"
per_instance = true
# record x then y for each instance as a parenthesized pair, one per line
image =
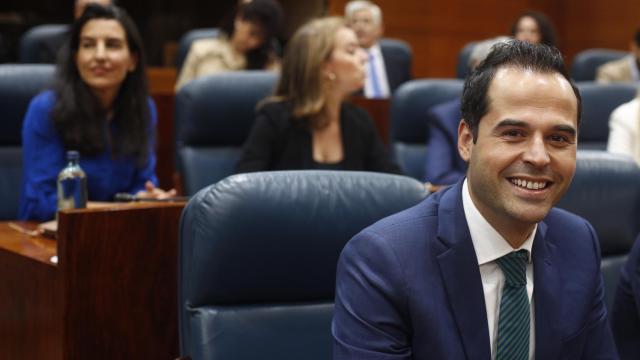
(398, 58)
(462, 67)
(40, 45)
(585, 64)
(409, 121)
(598, 101)
(606, 191)
(188, 38)
(18, 84)
(213, 117)
(258, 254)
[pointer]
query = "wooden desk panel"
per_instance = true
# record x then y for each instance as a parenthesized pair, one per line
(30, 301)
(378, 109)
(112, 295)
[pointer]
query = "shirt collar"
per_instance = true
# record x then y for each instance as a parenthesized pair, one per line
(487, 242)
(375, 50)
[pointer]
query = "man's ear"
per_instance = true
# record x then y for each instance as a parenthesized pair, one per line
(465, 140)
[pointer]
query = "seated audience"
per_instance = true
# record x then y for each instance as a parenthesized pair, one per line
(534, 27)
(307, 124)
(444, 166)
(245, 43)
(384, 74)
(99, 106)
(625, 316)
(625, 69)
(624, 130)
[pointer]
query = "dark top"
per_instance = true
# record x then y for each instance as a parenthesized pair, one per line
(625, 315)
(278, 142)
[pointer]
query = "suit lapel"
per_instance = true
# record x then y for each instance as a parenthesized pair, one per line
(546, 294)
(461, 275)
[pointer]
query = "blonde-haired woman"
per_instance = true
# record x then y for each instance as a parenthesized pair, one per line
(307, 124)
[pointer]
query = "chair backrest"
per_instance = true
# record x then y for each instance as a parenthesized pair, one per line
(598, 101)
(41, 44)
(585, 64)
(409, 121)
(606, 191)
(188, 38)
(258, 255)
(400, 55)
(462, 67)
(213, 117)
(18, 84)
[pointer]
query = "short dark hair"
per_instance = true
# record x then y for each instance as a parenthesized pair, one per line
(545, 26)
(636, 38)
(267, 14)
(514, 53)
(78, 115)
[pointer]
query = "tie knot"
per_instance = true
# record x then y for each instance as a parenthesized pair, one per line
(514, 267)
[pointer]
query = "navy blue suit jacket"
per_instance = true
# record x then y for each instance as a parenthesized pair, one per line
(409, 287)
(443, 165)
(625, 316)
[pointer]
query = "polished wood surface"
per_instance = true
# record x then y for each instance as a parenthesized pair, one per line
(112, 295)
(161, 86)
(378, 109)
(30, 298)
(437, 30)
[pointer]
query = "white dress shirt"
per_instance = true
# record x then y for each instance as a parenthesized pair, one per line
(380, 71)
(489, 246)
(624, 130)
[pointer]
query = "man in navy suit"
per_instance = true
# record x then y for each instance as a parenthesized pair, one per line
(387, 66)
(487, 268)
(625, 316)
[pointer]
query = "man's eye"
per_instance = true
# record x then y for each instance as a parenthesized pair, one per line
(513, 133)
(559, 138)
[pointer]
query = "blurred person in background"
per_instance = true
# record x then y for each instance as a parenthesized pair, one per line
(307, 124)
(245, 43)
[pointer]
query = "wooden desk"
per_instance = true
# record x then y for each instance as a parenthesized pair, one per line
(112, 294)
(378, 109)
(161, 87)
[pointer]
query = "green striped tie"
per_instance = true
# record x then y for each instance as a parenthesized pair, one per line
(513, 324)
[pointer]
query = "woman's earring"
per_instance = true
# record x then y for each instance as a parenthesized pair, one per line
(331, 76)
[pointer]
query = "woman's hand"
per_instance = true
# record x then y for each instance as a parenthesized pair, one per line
(152, 192)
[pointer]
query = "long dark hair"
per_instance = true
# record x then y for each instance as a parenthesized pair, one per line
(545, 26)
(79, 116)
(268, 15)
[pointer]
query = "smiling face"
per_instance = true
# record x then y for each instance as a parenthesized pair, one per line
(347, 62)
(524, 157)
(528, 30)
(103, 57)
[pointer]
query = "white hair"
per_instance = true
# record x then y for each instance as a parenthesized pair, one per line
(353, 7)
(482, 49)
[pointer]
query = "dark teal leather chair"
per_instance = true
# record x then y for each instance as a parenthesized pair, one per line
(213, 117)
(258, 255)
(606, 191)
(18, 84)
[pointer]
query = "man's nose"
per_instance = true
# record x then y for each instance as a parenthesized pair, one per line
(536, 152)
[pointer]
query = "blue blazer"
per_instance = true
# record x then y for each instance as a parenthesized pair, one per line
(625, 316)
(443, 165)
(409, 287)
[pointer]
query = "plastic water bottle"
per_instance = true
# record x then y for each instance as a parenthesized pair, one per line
(72, 184)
